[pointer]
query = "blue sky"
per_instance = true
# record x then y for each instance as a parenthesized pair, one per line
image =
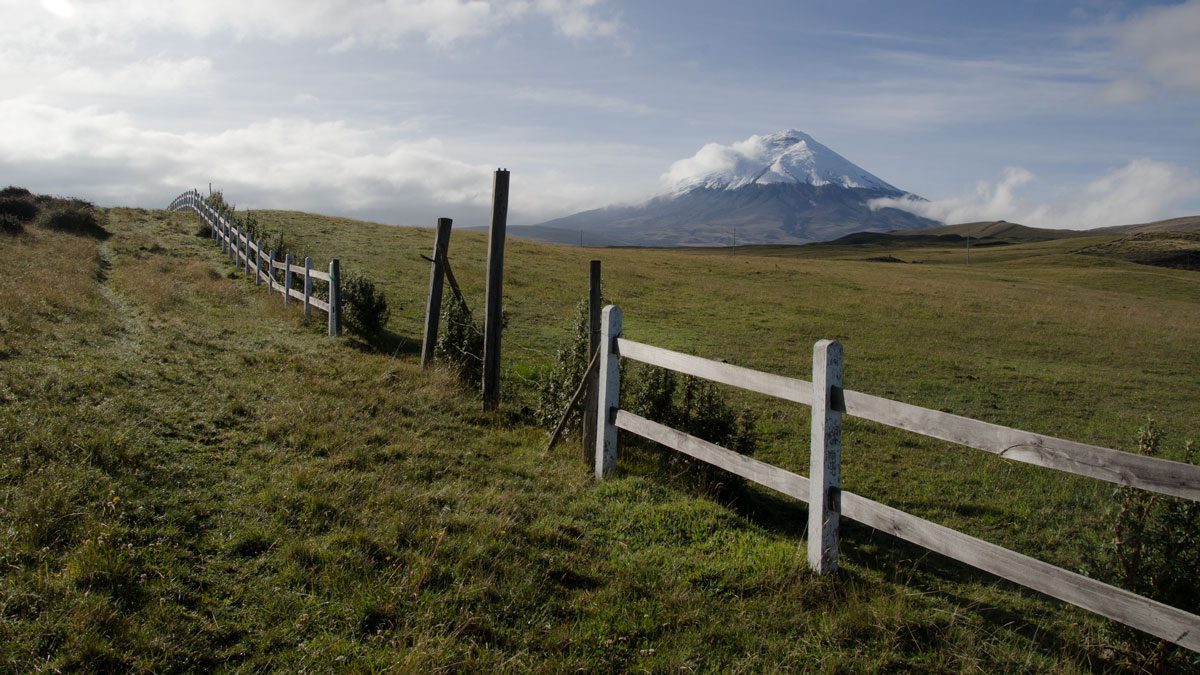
(1067, 114)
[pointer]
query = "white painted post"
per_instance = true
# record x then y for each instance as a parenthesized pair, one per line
(608, 390)
(307, 285)
(825, 457)
(287, 278)
(335, 300)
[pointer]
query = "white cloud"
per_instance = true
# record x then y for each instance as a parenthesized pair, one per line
(348, 22)
(1161, 48)
(279, 163)
(1143, 190)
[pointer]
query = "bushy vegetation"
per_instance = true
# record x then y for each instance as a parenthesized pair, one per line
(556, 384)
(1156, 553)
(75, 218)
(21, 209)
(11, 225)
(460, 341)
(365, 309)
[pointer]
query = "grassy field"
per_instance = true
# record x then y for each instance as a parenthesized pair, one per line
(194, 477)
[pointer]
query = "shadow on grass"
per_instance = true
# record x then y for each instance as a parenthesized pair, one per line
(385, 342)
(898, 561)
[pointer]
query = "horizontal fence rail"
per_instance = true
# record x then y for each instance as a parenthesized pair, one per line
(825, 497)
(255, 260)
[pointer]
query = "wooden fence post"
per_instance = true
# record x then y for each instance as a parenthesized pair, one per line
(246, 258)
(235, 244)
(257, 262)
(335, 300)
(287, 278)
(307, 285)
(825, 457)
(493, 313)
(433, 306)
(608, 393)
(271, 271)
(589, 402)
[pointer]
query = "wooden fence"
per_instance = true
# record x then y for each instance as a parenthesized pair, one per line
(278, 275)
(828, 402)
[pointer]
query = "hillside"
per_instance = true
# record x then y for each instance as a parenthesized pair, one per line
(193, 478)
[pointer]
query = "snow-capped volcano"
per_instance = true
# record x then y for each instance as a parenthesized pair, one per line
(788, 156)
(780, 188)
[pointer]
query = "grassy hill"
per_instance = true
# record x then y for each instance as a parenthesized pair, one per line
(193, 477)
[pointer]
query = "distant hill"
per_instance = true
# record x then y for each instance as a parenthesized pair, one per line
(1000, 232)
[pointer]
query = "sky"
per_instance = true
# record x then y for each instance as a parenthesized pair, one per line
(1050, 113)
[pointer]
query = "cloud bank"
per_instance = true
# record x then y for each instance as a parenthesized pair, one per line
(1162, 46)
(292, 163)
(1143, 190)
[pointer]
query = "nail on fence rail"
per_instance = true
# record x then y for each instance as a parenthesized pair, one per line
(828, 401)
(250, 256)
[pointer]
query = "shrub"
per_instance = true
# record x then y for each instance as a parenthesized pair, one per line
(14, 191)
(21, 208)
(1156, 546)
(690, 404)
(460, 341)
(80, 219)
(555, 387)
(364, 308)
(10, 225)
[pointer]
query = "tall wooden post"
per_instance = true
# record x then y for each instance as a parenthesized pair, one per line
(271, 271)
(493, 316)
(825, 457)
(258, 262)
(433, 307)
(335, 300)
(589, 405)
(608, 393)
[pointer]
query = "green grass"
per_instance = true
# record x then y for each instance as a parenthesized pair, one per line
(194, 477)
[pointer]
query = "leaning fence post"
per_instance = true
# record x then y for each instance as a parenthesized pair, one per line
(335, 300)
(589, 405)
(493, 314)
(608, 393)
(433, 307)
(307, 284)
(287, 278)
(825, 457)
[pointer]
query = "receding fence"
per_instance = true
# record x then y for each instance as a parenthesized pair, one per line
(828, 401)
(278, 275)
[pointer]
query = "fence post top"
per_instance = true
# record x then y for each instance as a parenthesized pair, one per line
(827, 345)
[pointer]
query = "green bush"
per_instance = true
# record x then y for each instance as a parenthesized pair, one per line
(14, 191)
(1156, 551)
(364, 308)
(78, 218)
(555, 387)
(10, 225)
(460, 341)
(21, 208)
(689, 404)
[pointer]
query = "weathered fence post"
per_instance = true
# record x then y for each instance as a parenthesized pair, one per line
(271, 271)
(493, 312)
(234, 244)
(608, 393)
(287, 278)
(335, 300)
(433, 306)
(257, 262)
(246, 259)
(825, 457)
(307, 285)
(589, 401)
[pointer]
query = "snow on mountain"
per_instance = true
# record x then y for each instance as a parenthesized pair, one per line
(788, 156)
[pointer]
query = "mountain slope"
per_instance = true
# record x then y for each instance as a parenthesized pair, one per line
(781, 188)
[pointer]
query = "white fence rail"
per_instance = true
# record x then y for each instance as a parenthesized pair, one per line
(828, 401)
(278, 275)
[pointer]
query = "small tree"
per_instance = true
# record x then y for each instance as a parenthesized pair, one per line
(364, 308)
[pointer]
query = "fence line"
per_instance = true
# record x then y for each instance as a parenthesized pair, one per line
(827, 502)
(263, 265)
